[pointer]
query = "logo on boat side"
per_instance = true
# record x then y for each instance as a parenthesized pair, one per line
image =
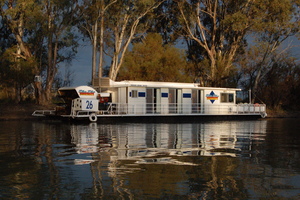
(212, 97)
(89, 92)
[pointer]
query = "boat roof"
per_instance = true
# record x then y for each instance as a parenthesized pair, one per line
(156, 84)
(78, 92)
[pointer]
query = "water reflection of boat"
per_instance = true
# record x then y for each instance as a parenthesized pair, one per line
(140, 141)
(148, 156)
(87, 139)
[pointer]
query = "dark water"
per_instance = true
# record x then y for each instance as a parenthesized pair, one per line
(211, 160)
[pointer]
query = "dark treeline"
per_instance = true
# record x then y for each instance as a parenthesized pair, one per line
(222, 43)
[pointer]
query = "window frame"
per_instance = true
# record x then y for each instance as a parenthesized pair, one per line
(134, 93)
(227, 97)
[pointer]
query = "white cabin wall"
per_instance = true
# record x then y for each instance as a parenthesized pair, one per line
(215, 105)
(137, 105)
(164, 100)
(202, 100)
(179, 101)
(122, 95)
(207, 94)
(158, 100)
(211, 105)
(186, 101)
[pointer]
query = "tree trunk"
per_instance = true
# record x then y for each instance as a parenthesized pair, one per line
(38, 93)
(52, 59)
(94, 50)
(101, 46)
(124, 38)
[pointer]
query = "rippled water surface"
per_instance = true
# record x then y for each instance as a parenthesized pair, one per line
(206, 160)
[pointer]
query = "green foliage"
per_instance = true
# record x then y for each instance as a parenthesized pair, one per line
(6, 39)
(16, 72)
(236, 22)
(150, 60)
(165, 21)
(44, 34)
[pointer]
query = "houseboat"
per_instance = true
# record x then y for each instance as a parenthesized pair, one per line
(150, 100)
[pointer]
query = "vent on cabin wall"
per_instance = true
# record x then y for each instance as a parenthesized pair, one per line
(101, 82)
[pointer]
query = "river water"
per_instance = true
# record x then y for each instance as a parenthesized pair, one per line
(206, 160)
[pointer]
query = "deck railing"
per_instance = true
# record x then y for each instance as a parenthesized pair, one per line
(184, 109)
(43, 112)
(166, 109)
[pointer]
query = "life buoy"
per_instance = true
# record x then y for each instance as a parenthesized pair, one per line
(93, 117)
(256, 105)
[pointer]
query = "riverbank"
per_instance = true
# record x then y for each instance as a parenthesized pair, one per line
(20, 111)
(282, 114)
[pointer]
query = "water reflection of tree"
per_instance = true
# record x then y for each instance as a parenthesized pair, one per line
(20, 175)
(274, 166)
(23, 172)
(218, 179)
(45, 139)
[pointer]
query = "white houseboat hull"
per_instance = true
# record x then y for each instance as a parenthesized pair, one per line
(137, 99)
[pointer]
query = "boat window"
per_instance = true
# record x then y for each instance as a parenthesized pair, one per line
(226, 97)
(134, 93)
(142, 94)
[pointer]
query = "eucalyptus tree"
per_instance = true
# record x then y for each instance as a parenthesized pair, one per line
(92, 24)
(281, 22)
(60, 36)
(279, 87)
(220, 28)
(6, 41)
(127, 20)
(44, 35)
(166, 22)
(19, 16)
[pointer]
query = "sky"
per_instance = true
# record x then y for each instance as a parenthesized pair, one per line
(81, 66)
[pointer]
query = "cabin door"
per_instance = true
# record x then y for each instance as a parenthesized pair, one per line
(172, 100)
(151, 100)
(157, 100)
(196, 101)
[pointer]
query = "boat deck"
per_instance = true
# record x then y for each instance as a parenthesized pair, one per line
(156, 110)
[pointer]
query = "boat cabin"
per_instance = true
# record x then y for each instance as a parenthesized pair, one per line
(142, 97)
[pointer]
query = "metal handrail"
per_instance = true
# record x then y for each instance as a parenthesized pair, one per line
(40, 113)
(174, 108)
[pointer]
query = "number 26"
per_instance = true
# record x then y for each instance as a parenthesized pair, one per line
(89, 104)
